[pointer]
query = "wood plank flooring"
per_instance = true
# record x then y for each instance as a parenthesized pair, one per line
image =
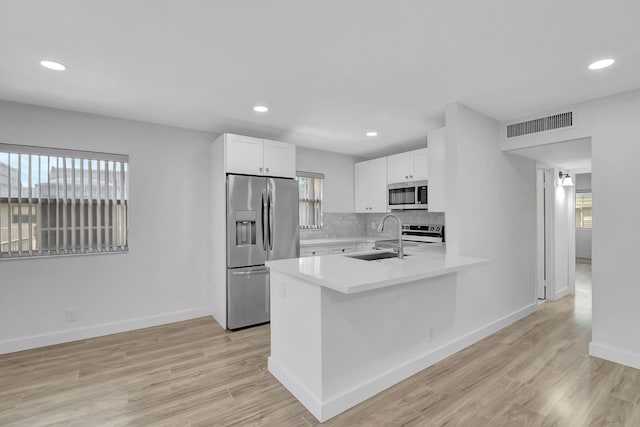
(536, 372)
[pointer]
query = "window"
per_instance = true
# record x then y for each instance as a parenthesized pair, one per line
(59, 202)
(310, 200)
(583, 210)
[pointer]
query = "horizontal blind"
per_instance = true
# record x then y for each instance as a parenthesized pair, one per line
(310, 199)
(584, 201)
(57, 202)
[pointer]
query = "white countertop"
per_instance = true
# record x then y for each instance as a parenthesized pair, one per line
(335, 240)
(349, 275)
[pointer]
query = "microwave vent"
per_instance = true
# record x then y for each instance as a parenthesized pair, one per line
(543, 124)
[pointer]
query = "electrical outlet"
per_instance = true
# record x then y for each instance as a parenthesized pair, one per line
(282, 290)
(71, 314)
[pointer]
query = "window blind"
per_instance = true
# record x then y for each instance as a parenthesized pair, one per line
(59, 202)
(584, 207)
(310, 199)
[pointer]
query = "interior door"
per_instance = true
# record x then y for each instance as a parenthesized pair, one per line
(247, 296)
(283, 231)
(246, 205)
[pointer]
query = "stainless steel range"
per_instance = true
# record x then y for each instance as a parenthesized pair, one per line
(415, 234)
(433, 233)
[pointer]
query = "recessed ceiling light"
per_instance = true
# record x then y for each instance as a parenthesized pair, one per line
(372, 133)
(260, 109)
(56, 66)
(603, 63)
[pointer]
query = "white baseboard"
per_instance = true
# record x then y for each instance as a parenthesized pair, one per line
(562, 293)
(613, 354)
(75, 334)
(302, 393)
(324, 410)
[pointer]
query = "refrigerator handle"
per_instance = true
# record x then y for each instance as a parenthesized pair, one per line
(264, 230)
(270, 218)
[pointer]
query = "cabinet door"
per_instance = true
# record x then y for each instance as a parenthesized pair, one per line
(420, 165)
(244, 155)
(400, 167)
(313, 250)
(342, 249)
(362, 188)
(279, 159)
(378, 181)
(436, 160)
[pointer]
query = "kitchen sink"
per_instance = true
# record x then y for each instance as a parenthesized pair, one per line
(375, 257)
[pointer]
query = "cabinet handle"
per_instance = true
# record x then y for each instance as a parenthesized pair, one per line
(267, 170)
(260, 169)
(410, 176)
(406, 177)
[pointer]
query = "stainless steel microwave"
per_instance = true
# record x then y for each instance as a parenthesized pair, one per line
(407, 195)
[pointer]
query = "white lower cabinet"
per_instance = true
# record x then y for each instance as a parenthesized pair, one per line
(313, 250)
(342, 248)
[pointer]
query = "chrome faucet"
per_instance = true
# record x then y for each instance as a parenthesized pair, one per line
(400, 248)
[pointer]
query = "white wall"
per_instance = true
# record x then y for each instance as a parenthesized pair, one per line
(614, 128)
(490, 199)
(163, 278)
(339, 176)
(583, 182)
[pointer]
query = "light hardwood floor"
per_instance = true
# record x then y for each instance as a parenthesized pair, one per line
(534, 373)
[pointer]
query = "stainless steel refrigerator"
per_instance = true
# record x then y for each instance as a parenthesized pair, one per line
(262, 225)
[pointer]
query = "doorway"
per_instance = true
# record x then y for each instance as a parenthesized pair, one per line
(556, 168)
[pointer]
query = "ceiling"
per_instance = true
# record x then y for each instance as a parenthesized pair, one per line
(573, 155)
(328, 70)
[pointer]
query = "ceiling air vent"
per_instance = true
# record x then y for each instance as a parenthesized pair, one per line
(557, 121)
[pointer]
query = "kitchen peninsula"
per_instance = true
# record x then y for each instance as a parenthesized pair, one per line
(343, 329)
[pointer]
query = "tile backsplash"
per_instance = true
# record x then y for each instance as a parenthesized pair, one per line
(359, 224)
(338, 225)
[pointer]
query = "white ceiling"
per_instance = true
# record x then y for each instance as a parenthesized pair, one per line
(574, 154)
(329, 70)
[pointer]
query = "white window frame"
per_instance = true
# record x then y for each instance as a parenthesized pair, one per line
(579, 193)
(82, 208)
(316, 220)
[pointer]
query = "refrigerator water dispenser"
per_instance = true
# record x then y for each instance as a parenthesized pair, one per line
(245, 228)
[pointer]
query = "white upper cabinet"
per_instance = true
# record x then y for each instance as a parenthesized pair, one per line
(378, 181)
(362, 191)
(279, 159)
(436, 161)
(420, 165)
(371, 186)
(244, 154)
(400, 168)
(409, 166)
(255, 156)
